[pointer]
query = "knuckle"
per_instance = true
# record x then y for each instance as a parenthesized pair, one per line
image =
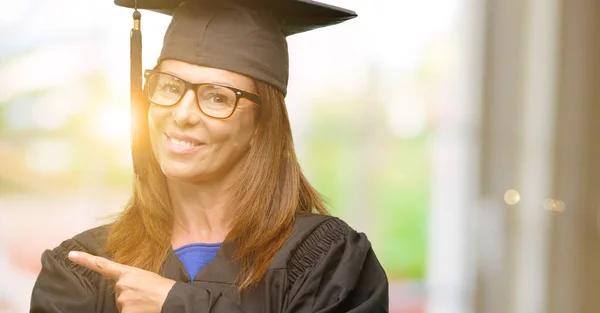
(123, 298)
(101, 263)
(122, 285)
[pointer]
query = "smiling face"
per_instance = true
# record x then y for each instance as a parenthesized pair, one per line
(188, 144)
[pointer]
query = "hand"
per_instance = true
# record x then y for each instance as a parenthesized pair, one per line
(136, 291)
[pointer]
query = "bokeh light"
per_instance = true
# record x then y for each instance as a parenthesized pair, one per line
(554, 205)
(512, 197)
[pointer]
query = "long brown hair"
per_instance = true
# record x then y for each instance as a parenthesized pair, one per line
(271, 189)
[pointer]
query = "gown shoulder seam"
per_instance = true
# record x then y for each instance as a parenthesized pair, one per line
(312, 249)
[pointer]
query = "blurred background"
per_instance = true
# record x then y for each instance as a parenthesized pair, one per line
(460, 135)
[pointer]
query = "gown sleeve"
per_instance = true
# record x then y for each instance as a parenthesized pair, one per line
(335, 270)
(63, 286)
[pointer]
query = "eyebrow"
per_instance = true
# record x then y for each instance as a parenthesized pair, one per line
(209, 82)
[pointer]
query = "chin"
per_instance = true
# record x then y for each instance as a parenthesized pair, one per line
(181, 172)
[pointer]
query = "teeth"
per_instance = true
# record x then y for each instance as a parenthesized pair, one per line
(183, 144)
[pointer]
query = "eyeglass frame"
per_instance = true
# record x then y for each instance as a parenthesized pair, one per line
(189, 85)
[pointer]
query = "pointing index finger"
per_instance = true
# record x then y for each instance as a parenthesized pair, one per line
(100, 265)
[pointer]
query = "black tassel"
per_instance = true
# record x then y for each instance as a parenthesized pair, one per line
(138, 109)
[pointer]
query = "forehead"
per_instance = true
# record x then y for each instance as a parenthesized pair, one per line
(202, 74)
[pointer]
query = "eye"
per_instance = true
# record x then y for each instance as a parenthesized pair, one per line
(169, 88)
(217, 98)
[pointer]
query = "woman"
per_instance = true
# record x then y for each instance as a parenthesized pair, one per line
(221, 218)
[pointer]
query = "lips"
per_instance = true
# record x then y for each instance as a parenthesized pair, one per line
(184, 138)
(182, 144)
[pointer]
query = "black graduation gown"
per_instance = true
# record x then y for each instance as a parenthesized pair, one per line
(325, 266)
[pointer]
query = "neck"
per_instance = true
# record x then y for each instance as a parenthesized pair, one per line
(200, 211)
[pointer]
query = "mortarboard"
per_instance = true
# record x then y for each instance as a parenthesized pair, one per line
(243, 36)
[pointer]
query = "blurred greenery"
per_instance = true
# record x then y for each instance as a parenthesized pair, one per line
(402, 198)
(353, 159)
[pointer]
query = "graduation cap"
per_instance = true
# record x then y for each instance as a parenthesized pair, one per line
(243, 36)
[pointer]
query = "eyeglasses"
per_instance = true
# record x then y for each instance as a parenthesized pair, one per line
(216, 101)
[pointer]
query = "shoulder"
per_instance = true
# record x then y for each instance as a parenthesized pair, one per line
(315, 225)
(315, 230)
(90, 241)
(313, 237)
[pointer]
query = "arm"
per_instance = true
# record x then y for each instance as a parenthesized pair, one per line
(335, 270)
(63, 286)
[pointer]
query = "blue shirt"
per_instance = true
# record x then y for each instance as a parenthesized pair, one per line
(196, 255)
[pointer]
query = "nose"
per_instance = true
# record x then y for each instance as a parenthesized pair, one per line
(187, 113)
